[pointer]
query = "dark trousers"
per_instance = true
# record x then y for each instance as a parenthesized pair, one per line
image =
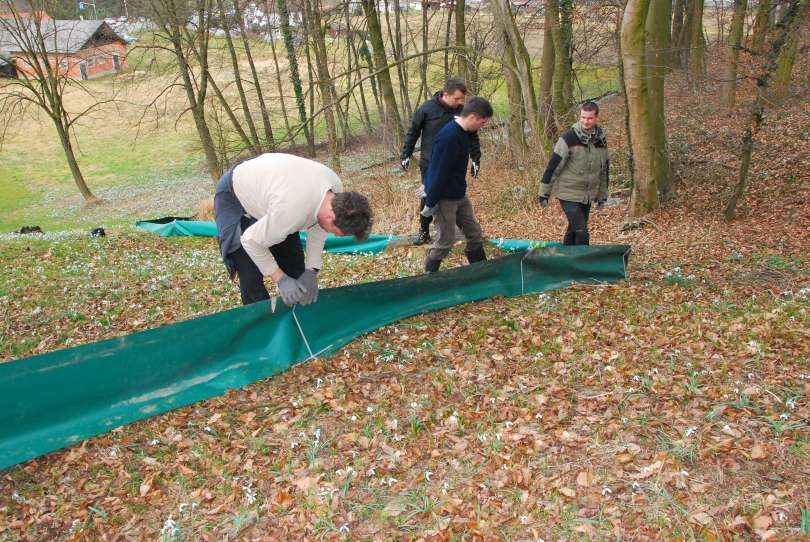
(577, 214)
(289, 255)
(424, 221)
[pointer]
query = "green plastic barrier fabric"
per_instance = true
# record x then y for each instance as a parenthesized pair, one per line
(171, 227)
(200, 228)
(60, 398)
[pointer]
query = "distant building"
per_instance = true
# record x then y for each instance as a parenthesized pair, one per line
(76, 49)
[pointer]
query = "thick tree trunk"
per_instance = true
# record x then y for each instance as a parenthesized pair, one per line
(644, 196)
(392, 119)
(561, 102)
(657, 53)
(697, 50)
(461, 42)
(787, 57)
(728, 83)
(295, 76)
(761, 25)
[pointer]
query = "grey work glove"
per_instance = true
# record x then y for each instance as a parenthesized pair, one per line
(429, 211)
(600, 205)
(310, 281)
(292, 291)
(475, 169)
(405, 163)
(543, 200)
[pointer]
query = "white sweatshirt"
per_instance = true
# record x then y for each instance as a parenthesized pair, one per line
(284, 193)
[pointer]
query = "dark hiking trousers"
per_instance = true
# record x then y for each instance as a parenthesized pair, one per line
(577, 214)
(232, 220)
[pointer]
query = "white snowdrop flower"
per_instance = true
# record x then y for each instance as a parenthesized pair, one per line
(791, 403)
(690, 431)
(737, 390)
(16, 497)
(317, 434)
(293, 445)
(154, 442)
(36, 310)
(169, 527)
(428, 474)
(784, 416)
(684, 472)
(207, 429)
(508, 424)
(631, 390)
(394, 424)
(372, 471)
(482, 437)
(538, 416)
(353, 418)
(318, 383)
(606, 491)
(445, 488)
(625, 420)
(344, 528)
(781, 516)
(182, 506)
(339, 472)
(397, 438)
(654, 370)
(414, 405)
(498, 437)
(738, 382)
(636, 486)
(74, 526)
(750, 376)
(369, 409)
(636, 378)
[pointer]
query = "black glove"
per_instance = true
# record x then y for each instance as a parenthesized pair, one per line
(600, 205)
(310, 281)
(292, 291)
(475, 169)
(405, 163)
(543, 200)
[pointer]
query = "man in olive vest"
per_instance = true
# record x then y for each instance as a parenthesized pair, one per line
(578, 173)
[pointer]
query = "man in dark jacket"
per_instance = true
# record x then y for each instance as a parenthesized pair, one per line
(446, 185)
(431, 117)
(578, 172)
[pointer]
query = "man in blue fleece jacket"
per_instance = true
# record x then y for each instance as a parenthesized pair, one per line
(446, 185)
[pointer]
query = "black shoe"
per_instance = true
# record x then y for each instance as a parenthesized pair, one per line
(423, 238)
(477, 255)
(431, 265)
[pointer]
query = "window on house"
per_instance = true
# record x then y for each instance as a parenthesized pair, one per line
(63, 64)
(91, 61)
(101, 60)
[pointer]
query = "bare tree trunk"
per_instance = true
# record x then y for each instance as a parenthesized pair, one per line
(546, 80)
(560, 102)
(461, 42)
(623, 82)
(278, 79)
(324, 81)
(424, 60)
(396, 44)
(310, 76)
(728, 84)
(761, 24)
(657, 26)
(697, 50)
(268, 128)
(391, 118)
(73, 164)
(567, 40)
(678, 13)
(502, 13)
(784, 27)
(196, 90)
(255, 142)
(447, 66)
(644, 196)
(787, 57)
(517, 112)
(356, 57)
(295, 76)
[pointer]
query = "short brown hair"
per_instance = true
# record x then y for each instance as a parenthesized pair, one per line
(479, 106)
(353, 214)
(454, 84)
